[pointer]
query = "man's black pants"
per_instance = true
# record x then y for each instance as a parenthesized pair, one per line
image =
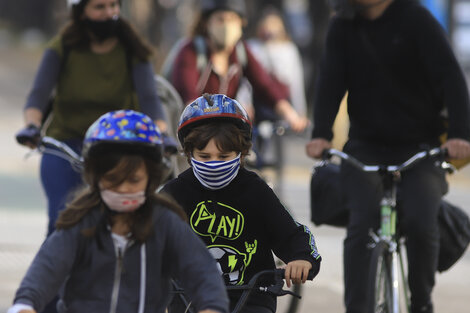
(420, 192)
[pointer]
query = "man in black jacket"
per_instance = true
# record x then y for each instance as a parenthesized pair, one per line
(395, 62)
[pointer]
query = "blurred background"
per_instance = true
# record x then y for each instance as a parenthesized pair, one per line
(25, 28)
(29, 24)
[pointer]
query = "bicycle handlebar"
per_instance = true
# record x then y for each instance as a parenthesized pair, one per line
(274, 289)
(53, 146)
(49, 141)
(439, 152)
(278, 273)
(47, 144)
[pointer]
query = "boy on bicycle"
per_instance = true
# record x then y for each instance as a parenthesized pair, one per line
(118, 243)
(233, 210)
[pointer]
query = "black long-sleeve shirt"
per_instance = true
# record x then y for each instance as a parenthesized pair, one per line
(242, 224)
(400, 73)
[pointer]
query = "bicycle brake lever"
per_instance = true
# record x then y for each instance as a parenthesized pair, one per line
(31, 153)
(278, 291)
(288, 292)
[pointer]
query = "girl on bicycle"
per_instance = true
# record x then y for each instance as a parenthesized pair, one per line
(118, 242)
(232, 209)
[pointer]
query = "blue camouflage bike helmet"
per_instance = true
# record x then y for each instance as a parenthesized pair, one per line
(216, 107)
(126, 130)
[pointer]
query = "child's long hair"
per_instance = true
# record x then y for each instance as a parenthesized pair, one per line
(75, 35)
(139, 221)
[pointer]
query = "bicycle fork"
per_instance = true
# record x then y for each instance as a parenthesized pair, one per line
(397, 273)
(387, 233)
(399, 267)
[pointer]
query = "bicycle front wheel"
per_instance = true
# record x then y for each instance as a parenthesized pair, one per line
(380, 285)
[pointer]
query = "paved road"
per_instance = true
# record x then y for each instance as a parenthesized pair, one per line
(23, 217)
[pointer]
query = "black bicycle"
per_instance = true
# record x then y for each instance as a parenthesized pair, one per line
(254, 285)
(388, 290)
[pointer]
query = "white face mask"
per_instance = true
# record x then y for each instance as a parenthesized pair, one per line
(225, 36)
(122, 202)
(216, 174)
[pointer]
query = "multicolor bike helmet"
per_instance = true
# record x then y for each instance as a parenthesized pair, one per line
(209, 6)
(217, 107)
(123, 130)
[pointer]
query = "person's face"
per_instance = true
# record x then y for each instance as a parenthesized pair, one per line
(212, 153)
(101, 10)
(272, 27)
(221, 18)
(224, 28)
(135, 182)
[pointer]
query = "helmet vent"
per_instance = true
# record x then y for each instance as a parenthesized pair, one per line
(208, 98)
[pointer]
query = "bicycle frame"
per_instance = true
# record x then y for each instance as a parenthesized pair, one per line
(387, 237)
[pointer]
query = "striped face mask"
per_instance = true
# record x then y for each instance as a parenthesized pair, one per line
(216, 174)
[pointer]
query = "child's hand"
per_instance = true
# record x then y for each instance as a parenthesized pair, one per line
(297, 272)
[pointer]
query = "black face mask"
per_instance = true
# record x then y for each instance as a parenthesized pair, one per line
(103, 30)
(348, 9)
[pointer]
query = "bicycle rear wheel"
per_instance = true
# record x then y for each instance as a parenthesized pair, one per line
(380, 285)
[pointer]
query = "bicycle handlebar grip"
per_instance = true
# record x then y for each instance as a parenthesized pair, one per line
(30, 133)
(311, 275)
(445, 152)
(325, 155)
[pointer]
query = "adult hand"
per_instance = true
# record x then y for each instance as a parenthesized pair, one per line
(296, 122)
(29, 136)
(315, 147)
(457, 148)
(162, 125)
(297, 272)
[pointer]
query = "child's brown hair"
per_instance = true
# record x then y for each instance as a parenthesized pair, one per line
(228, 137)
(89, 197)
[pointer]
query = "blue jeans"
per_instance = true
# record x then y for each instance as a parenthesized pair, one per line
(59, 179)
